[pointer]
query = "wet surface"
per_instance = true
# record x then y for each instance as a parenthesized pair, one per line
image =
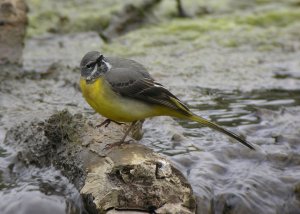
(28, 189)
(242, 76)
(223, 174)
(238, 179)
(241, 112)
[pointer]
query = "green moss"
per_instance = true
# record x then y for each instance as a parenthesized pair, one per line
(85, 22)
(69, 16)
(119, 49)
(259, 29)
(75, 16)
(231, 43)
(278, 18)
(200, 25)
(62, 126)
(41, 23)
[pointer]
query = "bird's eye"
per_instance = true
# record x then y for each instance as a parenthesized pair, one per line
(89, 65)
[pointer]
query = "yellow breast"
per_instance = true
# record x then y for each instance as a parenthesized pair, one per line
(111, 105)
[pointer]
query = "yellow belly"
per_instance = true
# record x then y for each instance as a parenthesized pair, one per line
(113, 106)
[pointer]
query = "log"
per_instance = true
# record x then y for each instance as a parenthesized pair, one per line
(130, 177)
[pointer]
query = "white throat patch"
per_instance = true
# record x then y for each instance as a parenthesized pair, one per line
(92, 74)
(107, 64)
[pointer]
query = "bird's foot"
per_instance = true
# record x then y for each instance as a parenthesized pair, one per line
(118, 123)
(106, 123)
(119, 143)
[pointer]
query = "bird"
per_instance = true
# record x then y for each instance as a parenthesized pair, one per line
(122, 90)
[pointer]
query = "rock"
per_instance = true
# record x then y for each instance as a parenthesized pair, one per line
(128, 177)
(130, 18)
(13, 22)
(133, 177)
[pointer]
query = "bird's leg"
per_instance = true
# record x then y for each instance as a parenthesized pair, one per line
(104, 123)
(107, 122)
(127, 132)
(109, 146)
(116, 122)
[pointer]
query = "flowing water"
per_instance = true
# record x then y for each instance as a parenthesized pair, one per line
(235, 63)
(29, 189)
(266, 180)
(225, 174)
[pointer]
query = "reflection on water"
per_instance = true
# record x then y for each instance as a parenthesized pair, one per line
(224, 174)
(230, 109)
(31, 190)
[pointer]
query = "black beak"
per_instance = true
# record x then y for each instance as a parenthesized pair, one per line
(99, 60)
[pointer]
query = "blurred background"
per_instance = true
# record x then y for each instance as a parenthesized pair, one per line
(235, 62)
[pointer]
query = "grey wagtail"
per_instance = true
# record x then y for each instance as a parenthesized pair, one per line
(122, 90)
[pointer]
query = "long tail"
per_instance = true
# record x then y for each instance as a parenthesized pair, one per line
(212, 125)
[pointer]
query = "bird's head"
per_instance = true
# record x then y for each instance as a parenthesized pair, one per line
(93, 65)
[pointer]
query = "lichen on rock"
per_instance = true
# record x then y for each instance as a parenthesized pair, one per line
(128, 177)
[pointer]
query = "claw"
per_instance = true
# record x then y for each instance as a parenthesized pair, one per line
(112, 145)
(109, 146)
(106, 123)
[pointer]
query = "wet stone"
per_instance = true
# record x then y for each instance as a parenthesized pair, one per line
(127, 177)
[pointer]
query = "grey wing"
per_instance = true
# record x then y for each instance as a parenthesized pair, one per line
(138, 84)
(132, 66)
